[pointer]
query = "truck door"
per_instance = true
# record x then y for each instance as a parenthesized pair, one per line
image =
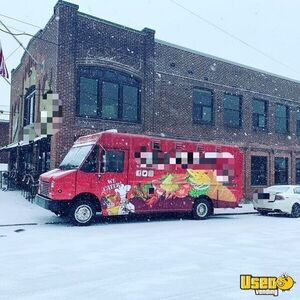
(114, 183)
(87, 180)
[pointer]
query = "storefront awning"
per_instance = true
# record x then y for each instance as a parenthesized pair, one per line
(14, 145)
(39, 138)
(22, 143)
(9, 146)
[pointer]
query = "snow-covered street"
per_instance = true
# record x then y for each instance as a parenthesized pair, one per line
(162, 258)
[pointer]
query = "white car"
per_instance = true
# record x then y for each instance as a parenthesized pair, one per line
(278, 198)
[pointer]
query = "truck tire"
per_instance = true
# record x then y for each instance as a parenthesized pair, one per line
(296, 210)
(82, 213)
(202, 209)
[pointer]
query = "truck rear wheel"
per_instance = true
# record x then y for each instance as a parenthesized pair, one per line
(202, 209)
(82, 213)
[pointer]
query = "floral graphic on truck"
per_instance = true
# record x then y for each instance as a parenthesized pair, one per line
(192, 184)
(120, 199)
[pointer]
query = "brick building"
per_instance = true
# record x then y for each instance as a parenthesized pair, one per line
(109, 76)
(4, 139)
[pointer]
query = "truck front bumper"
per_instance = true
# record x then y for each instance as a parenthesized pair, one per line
(56, 206)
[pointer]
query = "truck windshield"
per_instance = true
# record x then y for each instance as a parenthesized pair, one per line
(75, 157)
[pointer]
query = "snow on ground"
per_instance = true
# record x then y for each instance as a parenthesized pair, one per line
(15, 209)
(3, 167)
(162, 258)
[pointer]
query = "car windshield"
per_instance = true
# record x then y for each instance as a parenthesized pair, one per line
(276, 189)
(75, 157)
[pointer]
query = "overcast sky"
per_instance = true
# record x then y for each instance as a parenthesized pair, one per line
(271, 26)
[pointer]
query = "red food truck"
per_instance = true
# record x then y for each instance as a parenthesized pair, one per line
(115, 173)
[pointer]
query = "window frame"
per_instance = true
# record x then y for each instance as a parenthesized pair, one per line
(287, 118)
(297, 113)
(266, 171)
(297, 160)
(123, 161)
(93, 73)
(265, 114)
(195, 121)
(78, 103)
(240, 97)
(94, 151)
(29, 106)
(278, 171)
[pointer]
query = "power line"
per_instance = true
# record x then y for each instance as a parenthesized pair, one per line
(18, 20)
(233, 36)
(23, 33)
(26, 34)
(12, 54)
(19, 42)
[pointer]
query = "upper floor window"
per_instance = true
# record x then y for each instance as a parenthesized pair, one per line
(29, 106)
(88, 103)
(109, 95)
(298, 121)
(232, 110)
(259, 114)
(281, 118)
(202, 106)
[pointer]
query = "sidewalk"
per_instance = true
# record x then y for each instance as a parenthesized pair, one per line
(15, 209)
(246, 208)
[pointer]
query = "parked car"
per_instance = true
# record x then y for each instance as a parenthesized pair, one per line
(278, 198)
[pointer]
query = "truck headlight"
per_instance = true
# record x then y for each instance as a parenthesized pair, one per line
(52, 184)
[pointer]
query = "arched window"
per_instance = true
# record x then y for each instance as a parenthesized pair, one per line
(108, 94)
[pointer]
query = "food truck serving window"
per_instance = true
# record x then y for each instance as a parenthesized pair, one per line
(114, 161)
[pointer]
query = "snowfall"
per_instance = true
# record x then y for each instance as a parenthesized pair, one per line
(162, 257)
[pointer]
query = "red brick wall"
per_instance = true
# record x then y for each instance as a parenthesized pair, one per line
(4, 138)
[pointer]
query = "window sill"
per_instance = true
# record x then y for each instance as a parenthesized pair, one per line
(97, 119)
(283, 133)
(232, 126)
(260, 130)
(203, 123)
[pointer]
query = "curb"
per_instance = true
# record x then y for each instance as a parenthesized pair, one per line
(21, 224)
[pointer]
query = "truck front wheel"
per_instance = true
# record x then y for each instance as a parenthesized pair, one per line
(82, 213)
(202, 209)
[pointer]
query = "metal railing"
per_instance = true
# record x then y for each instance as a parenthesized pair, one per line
(3, 180)
(8, 180)
(29, 187)
(11, 180)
